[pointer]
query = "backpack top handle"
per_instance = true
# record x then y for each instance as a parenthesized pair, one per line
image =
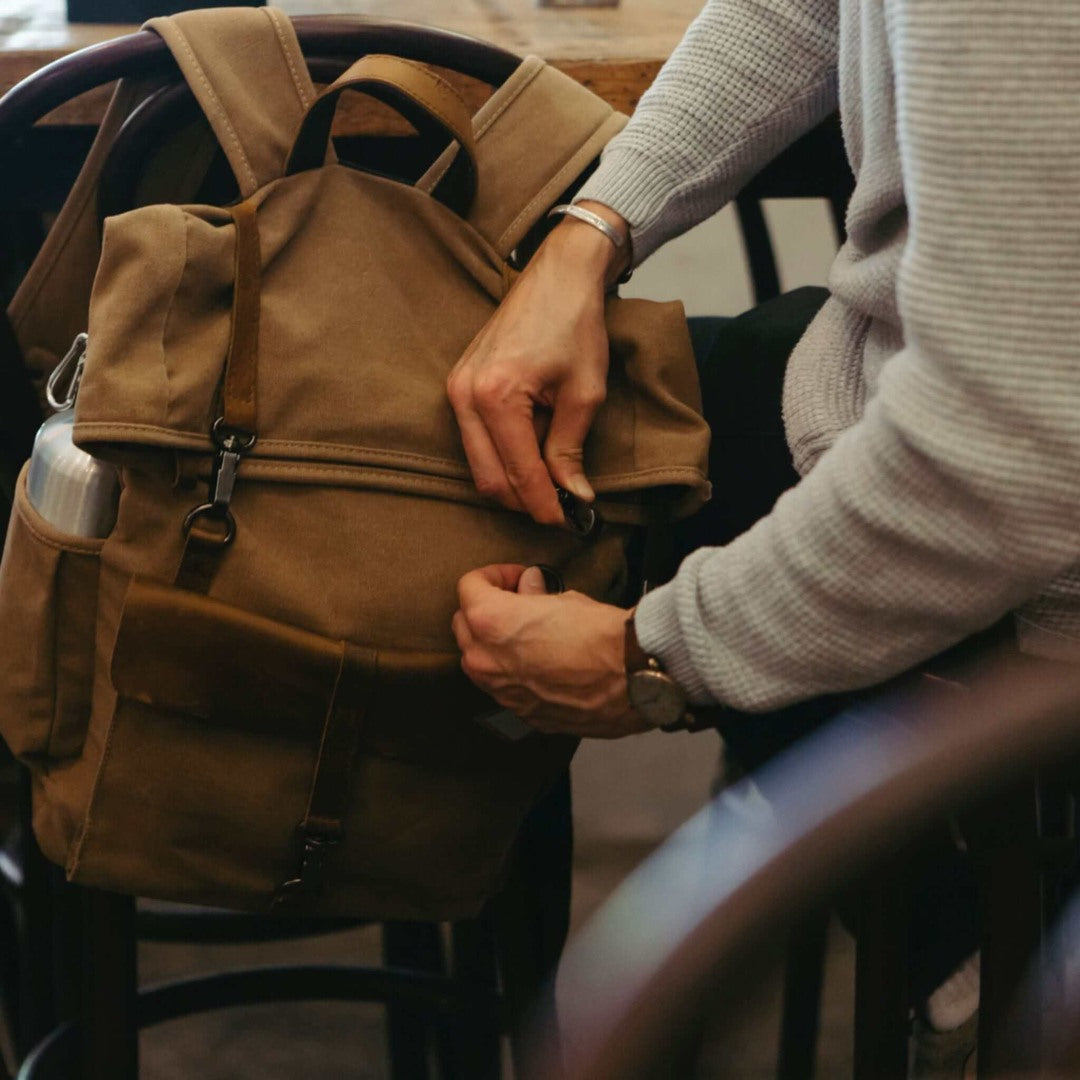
(427, 101)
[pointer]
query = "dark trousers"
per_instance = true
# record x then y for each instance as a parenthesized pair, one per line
(741, 364)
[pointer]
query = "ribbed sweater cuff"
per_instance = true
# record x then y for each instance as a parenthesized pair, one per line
(626, 181)
(656, 622)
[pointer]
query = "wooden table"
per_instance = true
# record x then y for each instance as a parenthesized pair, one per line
(614, 51)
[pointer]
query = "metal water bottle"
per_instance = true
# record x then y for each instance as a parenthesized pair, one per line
(74, 491)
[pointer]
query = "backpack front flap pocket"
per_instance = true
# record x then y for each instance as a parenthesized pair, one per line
(253, 764)
(48, 608)
(218, 735)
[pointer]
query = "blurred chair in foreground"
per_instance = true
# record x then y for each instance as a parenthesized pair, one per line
(687, 929)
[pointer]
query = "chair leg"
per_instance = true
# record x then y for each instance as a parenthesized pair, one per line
(1008, 860)
(476, 1042)
(417, 946)
(9, 989)
(804, 973)
(110, 986)
(532, 914)
(881, 991)
(37, 1007)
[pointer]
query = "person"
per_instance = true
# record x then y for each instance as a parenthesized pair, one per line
(931, 409)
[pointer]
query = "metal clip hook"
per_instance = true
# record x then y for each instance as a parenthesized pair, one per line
(309, 879)
(581, 518)
(232, 444)
(74, 361)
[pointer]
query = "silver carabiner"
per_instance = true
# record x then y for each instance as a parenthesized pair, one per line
(73, 362)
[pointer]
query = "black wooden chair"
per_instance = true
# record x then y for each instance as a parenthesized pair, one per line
(69, 980)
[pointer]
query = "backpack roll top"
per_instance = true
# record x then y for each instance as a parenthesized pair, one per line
(354, 376)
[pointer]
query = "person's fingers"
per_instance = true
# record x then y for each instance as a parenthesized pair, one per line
(541, 423)
(478, 585)
(571, 419)
(511, 430)
(489, 475)
(486, 466)
(462, 634)
(532, 582)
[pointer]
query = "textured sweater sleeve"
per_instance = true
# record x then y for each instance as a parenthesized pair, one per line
(748, 78)
(957, 495)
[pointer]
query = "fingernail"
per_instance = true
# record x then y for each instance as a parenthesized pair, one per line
(582, 489)
(532, 581)
(553, 582)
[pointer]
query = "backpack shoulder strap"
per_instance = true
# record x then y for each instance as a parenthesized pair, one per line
(246, 70)
(534, 137)
(50, 305)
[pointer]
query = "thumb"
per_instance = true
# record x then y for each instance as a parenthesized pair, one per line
(563, 449)
(532, 583)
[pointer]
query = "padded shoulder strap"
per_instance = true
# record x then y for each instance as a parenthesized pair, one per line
(50, 306)
(246, 70)
(534, 136)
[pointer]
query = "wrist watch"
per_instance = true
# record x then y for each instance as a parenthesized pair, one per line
(656, 697)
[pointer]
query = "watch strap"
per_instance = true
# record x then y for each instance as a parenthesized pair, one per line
(637, 659)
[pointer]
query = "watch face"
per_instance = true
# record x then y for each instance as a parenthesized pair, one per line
(659, 700)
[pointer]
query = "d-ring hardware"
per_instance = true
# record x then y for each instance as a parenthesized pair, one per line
(232, 443)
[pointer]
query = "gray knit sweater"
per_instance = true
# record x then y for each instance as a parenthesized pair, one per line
(933, 407)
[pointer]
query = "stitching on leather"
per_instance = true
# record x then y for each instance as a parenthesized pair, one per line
(434, 107)
(435, 178)
(431, 75)
(439, 84)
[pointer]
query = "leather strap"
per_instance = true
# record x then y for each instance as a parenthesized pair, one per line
(241, 364)
(428, 102)
(330, 782)
(246, 70)
(210, 527)
(200, 559)
(535, 135)
(636, 658)
(321, 830)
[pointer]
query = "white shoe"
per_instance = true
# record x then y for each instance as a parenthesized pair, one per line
(956, 999)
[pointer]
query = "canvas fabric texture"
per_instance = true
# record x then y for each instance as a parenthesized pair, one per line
(282, 720)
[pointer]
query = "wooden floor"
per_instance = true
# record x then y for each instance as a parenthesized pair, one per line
(300, 1042)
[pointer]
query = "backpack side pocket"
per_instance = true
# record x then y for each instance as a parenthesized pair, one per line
(48, 604)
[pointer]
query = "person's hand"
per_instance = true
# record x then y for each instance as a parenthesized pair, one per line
(556, 661)
(539, 365)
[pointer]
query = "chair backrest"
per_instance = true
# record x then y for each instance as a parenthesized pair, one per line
(144, 55)
(814, 166)
(693, 919)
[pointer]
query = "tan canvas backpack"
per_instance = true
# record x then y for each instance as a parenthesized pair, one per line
(249, 695)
